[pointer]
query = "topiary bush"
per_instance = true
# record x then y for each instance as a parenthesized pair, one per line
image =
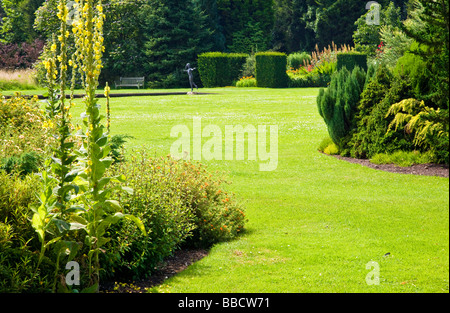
(218, 69)
(352, 59)
(271, 69)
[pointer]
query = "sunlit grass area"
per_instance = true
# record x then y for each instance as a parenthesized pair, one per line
(315, 222)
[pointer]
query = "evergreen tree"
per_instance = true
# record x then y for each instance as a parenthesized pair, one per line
(429, 27)
(124, 39)
(239, 17)
(211, 11)
(292, 31)
(175, 33)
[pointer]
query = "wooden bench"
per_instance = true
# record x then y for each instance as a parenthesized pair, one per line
(130, 82)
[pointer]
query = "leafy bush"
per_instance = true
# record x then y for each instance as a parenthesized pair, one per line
(415, 68)
(430, 126)
(367, 36)
(27, 163)
(350, 60)
(271, 69)
(318, 77)
(24, 55)
(249, 67)
(18, 259)
(179, 202)
(371, 136)
(117, 147)
(332, 149)
(403, 158)
(327, 146)
(157, 201)
(297, 60)
(219, 69)
(23, 128)
(337, 104)
(247, 82)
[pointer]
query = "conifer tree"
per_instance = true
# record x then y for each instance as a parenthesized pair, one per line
(175, 34)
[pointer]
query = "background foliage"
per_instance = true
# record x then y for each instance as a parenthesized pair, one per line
(160, 47)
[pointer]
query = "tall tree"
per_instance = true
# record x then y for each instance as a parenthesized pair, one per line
(292, 31)
(175, 33)
(429, 27)
(213, 22)
(240, 17)
(124, 39)
(17, 20)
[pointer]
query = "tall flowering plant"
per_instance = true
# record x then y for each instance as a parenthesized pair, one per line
(78, 174)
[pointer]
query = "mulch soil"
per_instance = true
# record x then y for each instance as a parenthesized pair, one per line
(416, 169)
(171, 266)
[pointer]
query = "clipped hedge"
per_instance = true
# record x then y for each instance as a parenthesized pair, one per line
(352, 59)
(218, 69)
(271, 69)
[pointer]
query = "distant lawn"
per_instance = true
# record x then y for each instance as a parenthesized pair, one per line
(314, 222)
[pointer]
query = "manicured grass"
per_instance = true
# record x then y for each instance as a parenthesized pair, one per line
(314, 222)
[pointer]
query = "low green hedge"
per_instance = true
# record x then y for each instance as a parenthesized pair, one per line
(271, 69)
(218, 69)
(350, 60)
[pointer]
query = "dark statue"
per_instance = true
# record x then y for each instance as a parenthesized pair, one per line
(190, 71)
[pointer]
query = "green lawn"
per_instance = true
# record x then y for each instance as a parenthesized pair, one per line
(314, 222)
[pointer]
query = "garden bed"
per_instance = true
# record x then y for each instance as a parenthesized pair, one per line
(416, 169)
(170, 267)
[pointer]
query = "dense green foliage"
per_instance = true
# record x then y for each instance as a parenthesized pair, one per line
(297, 60)
(351, 60)
(175, 34)
(337, 104)
(430, 126)
(220, 69)
(368, 36)
(246, 25)
(181, 203)
(371, 135)
(17, 19)
(136, 44)
(17, 238)
(271, 69)
(404, 107)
